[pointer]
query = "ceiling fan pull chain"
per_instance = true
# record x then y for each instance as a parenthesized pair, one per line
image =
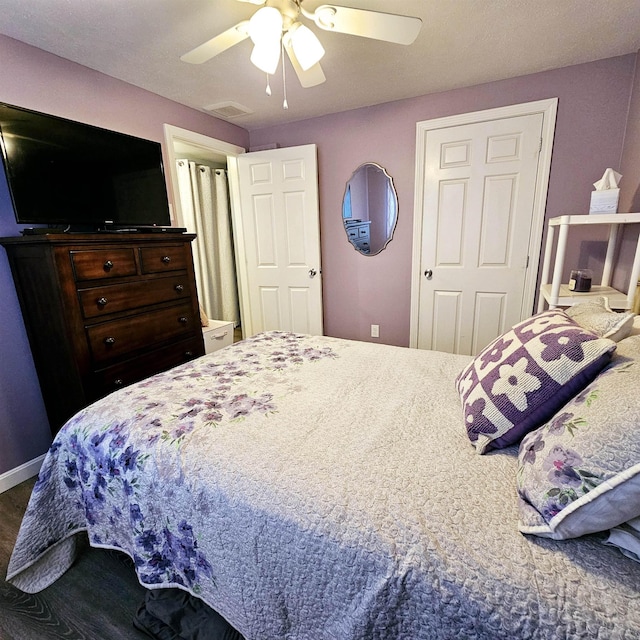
(268, 86)
(285, 104)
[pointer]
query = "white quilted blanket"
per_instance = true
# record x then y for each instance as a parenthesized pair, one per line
(315, 488)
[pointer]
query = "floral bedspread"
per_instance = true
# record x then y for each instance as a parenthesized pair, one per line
(315, 488)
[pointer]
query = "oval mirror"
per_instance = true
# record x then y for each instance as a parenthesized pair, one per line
(370, 209)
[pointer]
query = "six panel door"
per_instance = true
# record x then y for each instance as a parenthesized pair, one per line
(479, 192)
(280, 224)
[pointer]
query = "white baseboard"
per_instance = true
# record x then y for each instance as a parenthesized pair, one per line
(25, 471)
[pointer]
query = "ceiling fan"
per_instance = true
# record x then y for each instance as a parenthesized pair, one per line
(276, 26)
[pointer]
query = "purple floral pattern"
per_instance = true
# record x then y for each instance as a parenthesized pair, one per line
(530, 449)
(587, 445)
(477, 423)
(562, 466)
(524, 376)
(564, 343)
(495, 352)
(101, 467)
(171, 556)
(107, 471)
(227, 400)
(516, 383)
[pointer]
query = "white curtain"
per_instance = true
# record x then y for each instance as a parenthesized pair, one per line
(204, 199)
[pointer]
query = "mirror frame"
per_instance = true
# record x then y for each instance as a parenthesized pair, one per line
(391, 188)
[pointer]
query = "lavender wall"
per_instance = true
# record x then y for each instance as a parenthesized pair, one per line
(630, 183)
(360, 290)
(630, 167)
(37, 80)
(24, 429)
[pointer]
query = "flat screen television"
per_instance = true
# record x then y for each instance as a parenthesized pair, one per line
(80, 177)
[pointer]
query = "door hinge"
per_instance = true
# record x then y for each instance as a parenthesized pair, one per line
(540, 147)
(526, 266)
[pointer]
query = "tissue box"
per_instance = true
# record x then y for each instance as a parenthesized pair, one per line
(217, 335)
(605, 201)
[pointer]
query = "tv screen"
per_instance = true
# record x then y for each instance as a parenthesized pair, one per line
(70, 174)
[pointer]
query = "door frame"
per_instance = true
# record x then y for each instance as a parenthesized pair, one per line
(175, 137)
(548, 108)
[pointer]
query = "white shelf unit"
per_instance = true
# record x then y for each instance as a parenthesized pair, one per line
(556, 294)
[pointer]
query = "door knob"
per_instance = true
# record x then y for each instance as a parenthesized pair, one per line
(312, 273)
(428, 273)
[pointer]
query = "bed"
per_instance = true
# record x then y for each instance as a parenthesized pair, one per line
(317, 488)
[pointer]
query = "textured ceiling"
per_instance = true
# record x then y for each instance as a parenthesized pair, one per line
(462, 43)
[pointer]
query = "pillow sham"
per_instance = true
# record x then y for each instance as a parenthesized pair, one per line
(627, 538)
(523, 377)
(580, 472)
(596, 315)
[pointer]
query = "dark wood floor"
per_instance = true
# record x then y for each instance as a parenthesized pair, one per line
(95, 600)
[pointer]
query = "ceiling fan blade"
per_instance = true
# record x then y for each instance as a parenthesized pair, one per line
(313, 76)
(253, 1)
(368, 24)
(220, 43)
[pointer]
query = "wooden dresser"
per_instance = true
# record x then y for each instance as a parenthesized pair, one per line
(104, 310)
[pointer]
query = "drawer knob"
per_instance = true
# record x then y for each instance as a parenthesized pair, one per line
(188, 354)
(166, 259)
(118, 382)
(183, 320)
(102, 302)
(179, 288)
(110, 340)
(108, 265)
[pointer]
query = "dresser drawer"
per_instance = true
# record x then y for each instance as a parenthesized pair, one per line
(103, 263)
(112, 298)
(160, 259)
(126, 373)
(110, 340)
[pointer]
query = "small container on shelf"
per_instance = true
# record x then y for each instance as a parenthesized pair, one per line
(580, 280)
(556, 294)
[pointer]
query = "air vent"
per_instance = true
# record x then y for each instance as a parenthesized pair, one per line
(228, 109)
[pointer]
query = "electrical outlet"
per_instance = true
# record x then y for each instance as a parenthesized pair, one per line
(375, 330)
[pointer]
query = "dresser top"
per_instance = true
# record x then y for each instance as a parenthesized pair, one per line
(96, 238)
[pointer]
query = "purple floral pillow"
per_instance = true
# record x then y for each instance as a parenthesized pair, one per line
(580, 472)
(523, 377)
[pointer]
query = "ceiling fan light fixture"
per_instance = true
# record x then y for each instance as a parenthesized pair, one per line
(307, 47)
(265, 56)
(274, 29)
(265, 26)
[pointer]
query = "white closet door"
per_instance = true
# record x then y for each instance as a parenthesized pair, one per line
(479, 193)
